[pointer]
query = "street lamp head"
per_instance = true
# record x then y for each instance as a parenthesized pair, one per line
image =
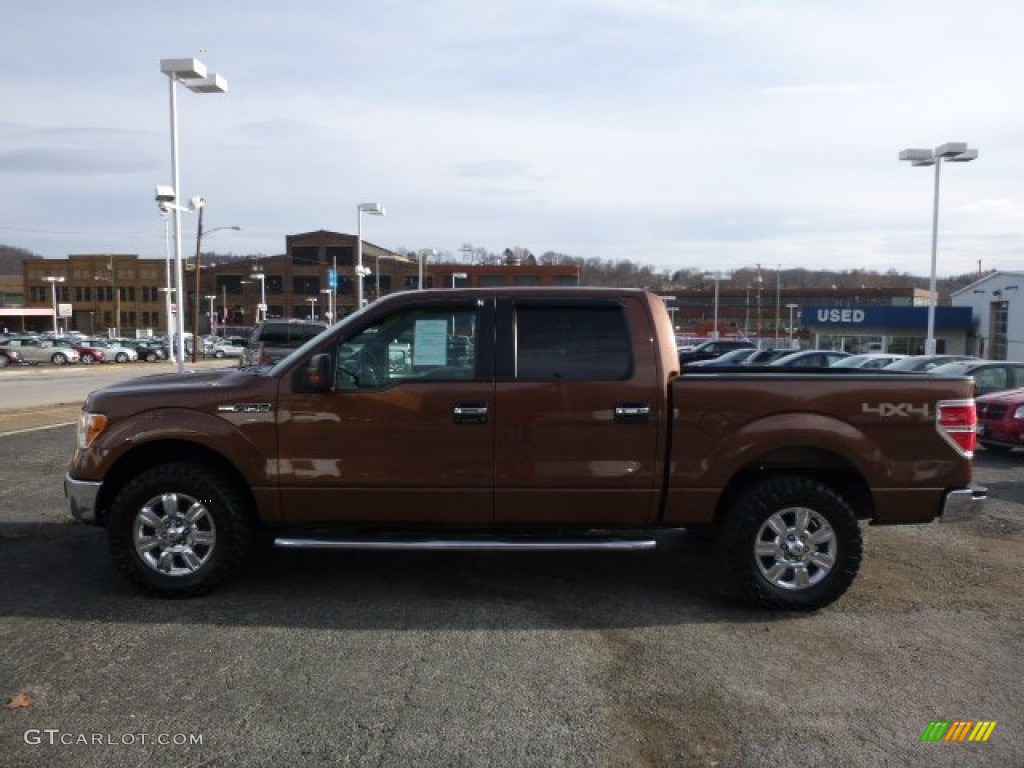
(164, 193)
(212, 83)
(951, 149)
(964, 157)
(377, 209)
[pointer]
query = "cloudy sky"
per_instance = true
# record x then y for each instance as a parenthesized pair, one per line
(708, 134)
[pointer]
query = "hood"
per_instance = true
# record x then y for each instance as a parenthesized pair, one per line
(172, 389)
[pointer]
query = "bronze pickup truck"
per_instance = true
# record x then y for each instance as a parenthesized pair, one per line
(518, 419)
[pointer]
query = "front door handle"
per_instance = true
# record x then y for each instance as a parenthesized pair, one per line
(632, 413)
(470, 413)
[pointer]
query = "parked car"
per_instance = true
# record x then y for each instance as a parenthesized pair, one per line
(273, 339)
(736, 357)
(149, 350)
(1001, 419)
(922, 363)
(231, 347)
(34, 351)
(989, 375)
(766, 356)
(115, 352)
(10, 356)
(88, 351)
(810, 358)
(709, 350)
(868, 361)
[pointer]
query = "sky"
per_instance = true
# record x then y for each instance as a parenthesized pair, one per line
(683, 134)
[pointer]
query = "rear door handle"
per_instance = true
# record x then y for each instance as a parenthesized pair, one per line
(470, 413)
(632, 413)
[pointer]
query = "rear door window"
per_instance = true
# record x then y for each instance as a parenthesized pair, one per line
(572, 342)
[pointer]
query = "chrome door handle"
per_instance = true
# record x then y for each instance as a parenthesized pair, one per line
(470, 413)
(632, 413)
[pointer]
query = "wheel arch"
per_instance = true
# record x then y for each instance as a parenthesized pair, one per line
(824, 466)
(167, 452)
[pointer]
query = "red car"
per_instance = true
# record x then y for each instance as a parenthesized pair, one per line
(86, 351)
(1001, 419)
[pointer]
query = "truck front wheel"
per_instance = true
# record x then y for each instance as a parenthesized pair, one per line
(791, 542)
(178, 530)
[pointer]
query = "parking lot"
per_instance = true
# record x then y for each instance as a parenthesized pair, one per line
(377, 658)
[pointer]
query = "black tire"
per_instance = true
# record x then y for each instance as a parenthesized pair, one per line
(59, 358)
(4, 361)
(121, 357)
(790, 542)
(219, 354)
(87, 359)
(161, 551)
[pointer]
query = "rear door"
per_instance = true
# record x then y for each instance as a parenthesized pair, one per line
(579, 413)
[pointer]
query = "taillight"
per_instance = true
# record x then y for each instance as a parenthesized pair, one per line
(957, 422)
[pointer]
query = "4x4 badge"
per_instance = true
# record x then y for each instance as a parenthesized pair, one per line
(895, 409)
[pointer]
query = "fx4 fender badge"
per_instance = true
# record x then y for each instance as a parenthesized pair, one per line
(245, 408)
(886, 410)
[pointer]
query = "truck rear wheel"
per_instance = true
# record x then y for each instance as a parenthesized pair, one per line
(179, 530)
(791, 542)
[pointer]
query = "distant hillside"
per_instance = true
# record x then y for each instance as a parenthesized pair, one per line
(11, 259)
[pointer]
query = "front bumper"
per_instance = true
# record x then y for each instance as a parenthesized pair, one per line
(81, 496)
(963, 504)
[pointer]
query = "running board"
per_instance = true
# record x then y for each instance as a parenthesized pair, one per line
(523, 544)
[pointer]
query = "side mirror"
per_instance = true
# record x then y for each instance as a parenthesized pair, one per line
(315, 375)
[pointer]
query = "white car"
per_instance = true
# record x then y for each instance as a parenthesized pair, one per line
(34, 351)
(230, 347)
(115, 353)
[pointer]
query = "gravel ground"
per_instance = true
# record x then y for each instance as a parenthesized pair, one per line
(467, 659)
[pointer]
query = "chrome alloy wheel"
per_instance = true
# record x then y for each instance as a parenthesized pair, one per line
(795, 548)
(174, 534)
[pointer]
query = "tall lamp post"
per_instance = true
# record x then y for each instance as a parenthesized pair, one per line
(198, 267)
(53, 288)
(376, 209)
(312, 307)
(192, 73)
(328, 296)
(791, 307)
(951, 152)
(423, 254)
(717, 277)
(261, 310)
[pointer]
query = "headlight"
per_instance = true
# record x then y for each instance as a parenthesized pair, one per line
(89, 427)
(1019, 413)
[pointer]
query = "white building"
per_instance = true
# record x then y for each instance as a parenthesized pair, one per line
(997, 309)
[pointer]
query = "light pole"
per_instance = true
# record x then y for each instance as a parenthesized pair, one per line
(211, 297)
(192, 73)
(312, 306)
(377, 209)
(951, 152)
(791, 307)
(330, 304)
(459, 275)
(53, 288)
(717, 277)
(261, 310)
(423, 254)
(198, 266)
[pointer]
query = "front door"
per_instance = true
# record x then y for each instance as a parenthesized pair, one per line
(406, 437)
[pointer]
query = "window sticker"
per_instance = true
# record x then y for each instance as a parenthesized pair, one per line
(430, 343)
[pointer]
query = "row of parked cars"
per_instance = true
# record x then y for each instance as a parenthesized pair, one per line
(999, 384)
(73, 349)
